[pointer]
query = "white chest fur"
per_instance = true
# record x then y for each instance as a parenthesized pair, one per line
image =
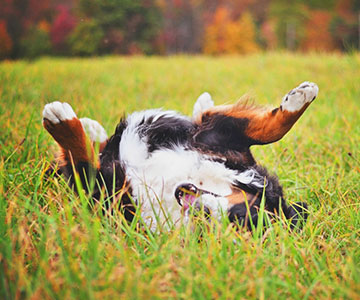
(155, 176)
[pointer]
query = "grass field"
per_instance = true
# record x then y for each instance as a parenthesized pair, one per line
(53, 247)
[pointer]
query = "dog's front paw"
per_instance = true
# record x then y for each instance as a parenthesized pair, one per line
(57, 112)
(297, 98)
(203, 103)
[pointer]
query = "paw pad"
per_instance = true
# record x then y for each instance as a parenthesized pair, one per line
(299, 96)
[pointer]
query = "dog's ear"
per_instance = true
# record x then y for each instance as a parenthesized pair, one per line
(255, 126)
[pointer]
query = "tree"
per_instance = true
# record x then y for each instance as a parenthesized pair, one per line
(183, 24)
(86, 38)
(240, 36)
(22, 18)
(5, 41)
(133, 23)
(214, 41)
(61, 28)
(36, 42)
(344, 25)
(290, 16)
(317, 33)
(224, 35)
(268, 34)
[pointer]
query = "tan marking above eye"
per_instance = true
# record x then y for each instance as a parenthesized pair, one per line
(239, 196)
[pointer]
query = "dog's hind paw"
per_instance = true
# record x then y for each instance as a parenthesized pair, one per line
(203, 103)
(297, 98)
(57, 112)
(94, 130)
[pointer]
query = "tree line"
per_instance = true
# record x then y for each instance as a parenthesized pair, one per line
(31, 28)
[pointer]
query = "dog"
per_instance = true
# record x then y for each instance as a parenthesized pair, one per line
(169, 165)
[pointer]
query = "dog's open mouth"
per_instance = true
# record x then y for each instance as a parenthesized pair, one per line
(187, 196)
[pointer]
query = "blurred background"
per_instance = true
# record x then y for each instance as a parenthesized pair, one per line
(32, 28)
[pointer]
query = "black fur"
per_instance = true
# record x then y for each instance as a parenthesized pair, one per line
(111, 175)
(166, 132)
(223, 133)
(226, 136)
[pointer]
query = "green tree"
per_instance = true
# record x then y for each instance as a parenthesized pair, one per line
(127, 24)
(290, 16)
(86, 38)
(35, 43)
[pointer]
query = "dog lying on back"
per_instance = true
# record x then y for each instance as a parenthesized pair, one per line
(165, 163)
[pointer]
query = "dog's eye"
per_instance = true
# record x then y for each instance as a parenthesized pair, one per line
(287, 98)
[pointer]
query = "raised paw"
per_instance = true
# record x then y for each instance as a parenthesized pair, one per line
(203, 103)
(94, 130)
(299, 97)
(57, 112)
(61, 122)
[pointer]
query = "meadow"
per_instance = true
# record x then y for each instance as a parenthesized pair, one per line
(53, 247)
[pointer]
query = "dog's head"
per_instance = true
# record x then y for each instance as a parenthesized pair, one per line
(194, 201)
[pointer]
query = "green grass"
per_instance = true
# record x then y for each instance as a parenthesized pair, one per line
(52, 246)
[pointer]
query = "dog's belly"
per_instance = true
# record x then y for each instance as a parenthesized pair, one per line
(155, 179)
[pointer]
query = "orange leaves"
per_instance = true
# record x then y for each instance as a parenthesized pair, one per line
(226, 36)
(318, 36)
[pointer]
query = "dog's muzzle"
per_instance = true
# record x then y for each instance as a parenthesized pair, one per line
(188, 195)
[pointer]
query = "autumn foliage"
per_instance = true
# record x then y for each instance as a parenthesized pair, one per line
(31, 28)
(227, 36)
(5, 40)
(318, 37)
(63, 25)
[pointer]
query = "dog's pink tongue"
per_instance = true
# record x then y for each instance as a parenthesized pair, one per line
(188, 201)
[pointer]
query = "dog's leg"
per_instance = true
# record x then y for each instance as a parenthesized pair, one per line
(262, 127)
(273, 125)
(76, 148)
